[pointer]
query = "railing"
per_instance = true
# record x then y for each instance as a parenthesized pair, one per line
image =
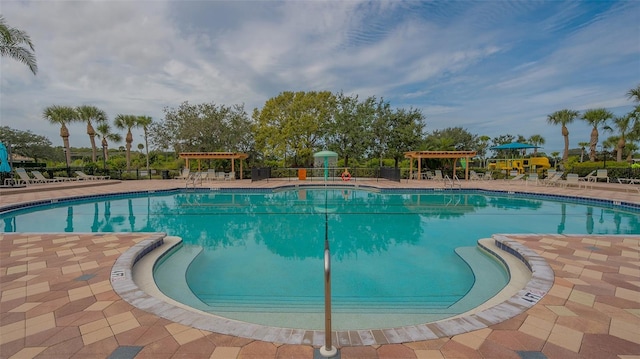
(452, 182)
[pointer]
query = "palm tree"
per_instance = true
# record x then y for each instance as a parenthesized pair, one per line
(536, 140)
(563, 117)
(582, 147)
(145, 122)
(127, 122)
(623, 125)
(11, 44)
(595, 117)
(634, 94)
(86, 114)
(61, 115)
(104, 131)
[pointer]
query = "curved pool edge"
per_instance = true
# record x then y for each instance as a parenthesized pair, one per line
(494, 311)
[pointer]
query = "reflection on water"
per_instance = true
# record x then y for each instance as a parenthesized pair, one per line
(214, 220)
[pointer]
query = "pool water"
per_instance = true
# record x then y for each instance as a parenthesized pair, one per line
(258, 257)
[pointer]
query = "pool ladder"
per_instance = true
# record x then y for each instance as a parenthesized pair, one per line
(452, 182)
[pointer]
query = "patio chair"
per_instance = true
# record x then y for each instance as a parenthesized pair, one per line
(83, 176)
(24, 177)
(517, 177)
(474, 176)
(601, 174)
(572, 179)
(38, 175)
(487, 176)
(438, 176)
(532, 178)
(230, 176)
(184, 175)
(552, 181)
(211, 174)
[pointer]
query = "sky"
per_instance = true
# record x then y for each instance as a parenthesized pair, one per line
(491, 67)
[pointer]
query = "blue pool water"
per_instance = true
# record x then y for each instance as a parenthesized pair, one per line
(258, 256)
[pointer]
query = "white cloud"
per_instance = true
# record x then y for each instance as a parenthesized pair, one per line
(491, 67)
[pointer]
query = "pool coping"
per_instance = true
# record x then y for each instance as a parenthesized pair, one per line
(542, 278)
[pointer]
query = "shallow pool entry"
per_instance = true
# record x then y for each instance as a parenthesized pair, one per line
(388, 266)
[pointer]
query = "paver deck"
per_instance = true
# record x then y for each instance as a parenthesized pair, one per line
(57, 301)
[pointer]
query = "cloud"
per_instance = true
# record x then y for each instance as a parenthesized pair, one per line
(491, 67)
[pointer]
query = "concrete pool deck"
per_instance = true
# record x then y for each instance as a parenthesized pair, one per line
(57, 300)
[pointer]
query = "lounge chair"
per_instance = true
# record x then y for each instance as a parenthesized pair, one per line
(83, 176)
(552, 181)
(532, 178)
(487, 176)
(517, 177)
(572, 179)
(24, 177)
(230, 176)
(474, 176)
(438, 176)
(184, 175)
(601, 174)
(38, 175)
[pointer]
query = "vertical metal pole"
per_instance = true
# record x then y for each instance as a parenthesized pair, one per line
(328, 350)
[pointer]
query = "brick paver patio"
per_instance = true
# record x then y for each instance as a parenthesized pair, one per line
(56, 298)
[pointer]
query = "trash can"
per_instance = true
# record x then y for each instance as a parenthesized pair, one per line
(302, 174)
(165, 174)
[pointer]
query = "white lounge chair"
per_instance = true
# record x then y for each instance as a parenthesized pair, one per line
(83, 176)
(532, 178)
(38, 175)
(551, 181)
(184, 175)
(438, 176)
(25, 178)
(601, 174)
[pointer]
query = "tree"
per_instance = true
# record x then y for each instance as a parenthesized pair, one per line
(406, 132)
(595, 117)
(294, 124)
(87, 113)
(104, 131)
(126, 122)
(634, 94)
(350, 128)
(62, 115)
(27, 143)
(563, 117)
(536, 140)
(144, 122)
(481, 148)
(12, 43)
(202, 127)
(582, 147)
(623, 125)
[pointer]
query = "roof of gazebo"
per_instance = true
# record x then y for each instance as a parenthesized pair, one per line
(213, 155)
(439, 154)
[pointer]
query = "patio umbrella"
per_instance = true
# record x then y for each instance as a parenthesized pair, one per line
(4, 159)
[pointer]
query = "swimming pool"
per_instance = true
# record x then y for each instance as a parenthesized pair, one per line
(407, 224)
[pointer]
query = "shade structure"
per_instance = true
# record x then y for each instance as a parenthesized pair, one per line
(325, 155)
(214, 155)
(513, 146)
(4, 159)
(454, 155)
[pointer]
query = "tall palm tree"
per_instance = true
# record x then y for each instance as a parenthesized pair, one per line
(87, 113)
(582, 145)
(623, 125)
(62, 115)
(104, 131)
(596, 117)
(11, 44)
(145, 122)
(563, 117)
(127, 122)
(536, 140)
